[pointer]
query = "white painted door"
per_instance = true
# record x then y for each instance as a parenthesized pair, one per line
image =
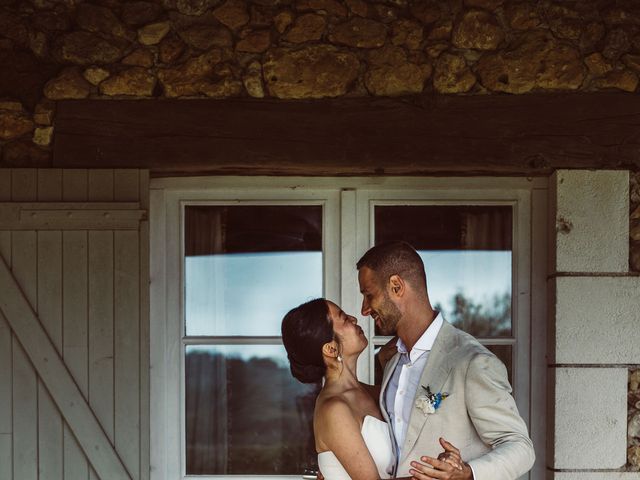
(73, 324)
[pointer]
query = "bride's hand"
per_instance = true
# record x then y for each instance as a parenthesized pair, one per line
(451, 455)
(448, 466)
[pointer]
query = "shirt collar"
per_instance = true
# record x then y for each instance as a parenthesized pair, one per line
(426, 340)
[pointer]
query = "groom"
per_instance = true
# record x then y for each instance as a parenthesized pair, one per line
(441, 383)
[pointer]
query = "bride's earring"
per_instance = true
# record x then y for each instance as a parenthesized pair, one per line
(339, 358)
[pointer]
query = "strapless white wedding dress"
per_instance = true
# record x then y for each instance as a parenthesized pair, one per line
(377, 437)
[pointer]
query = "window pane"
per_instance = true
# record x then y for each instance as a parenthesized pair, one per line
(246, 266)
(467, 255)
(245, 413)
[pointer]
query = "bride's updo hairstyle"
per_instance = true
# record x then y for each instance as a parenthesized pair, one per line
(305, 329)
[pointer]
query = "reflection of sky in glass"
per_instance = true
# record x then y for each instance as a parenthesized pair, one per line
(478, 274)
(248, 294)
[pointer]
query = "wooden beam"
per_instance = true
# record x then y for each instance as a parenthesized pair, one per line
(54, 374)
(71, 216)
(498, 134)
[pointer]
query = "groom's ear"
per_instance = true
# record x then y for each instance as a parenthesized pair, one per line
(330, 349)
(397, 286)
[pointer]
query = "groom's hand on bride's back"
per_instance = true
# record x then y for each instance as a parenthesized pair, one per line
(448, 465)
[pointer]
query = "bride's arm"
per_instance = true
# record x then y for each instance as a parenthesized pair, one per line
(340, 432)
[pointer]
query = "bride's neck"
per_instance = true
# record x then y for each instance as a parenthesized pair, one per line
(343, 373)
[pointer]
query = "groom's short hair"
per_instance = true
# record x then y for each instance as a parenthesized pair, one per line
(395, 258)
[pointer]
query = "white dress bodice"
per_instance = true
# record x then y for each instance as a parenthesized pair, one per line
(377, 437)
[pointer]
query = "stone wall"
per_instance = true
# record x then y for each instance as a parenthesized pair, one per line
(66, 49)
(52, 50)
(634, 225)
(633, 431)
(595, 318)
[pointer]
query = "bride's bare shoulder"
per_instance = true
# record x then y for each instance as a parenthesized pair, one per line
(333, 417)
(329, 407)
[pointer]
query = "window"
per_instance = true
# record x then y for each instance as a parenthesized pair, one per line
(467, 252)
(245, 266)
(230, 256)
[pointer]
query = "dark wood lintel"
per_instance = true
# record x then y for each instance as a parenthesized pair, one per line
(433, 135)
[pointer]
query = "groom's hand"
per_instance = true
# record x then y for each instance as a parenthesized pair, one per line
(448, 465)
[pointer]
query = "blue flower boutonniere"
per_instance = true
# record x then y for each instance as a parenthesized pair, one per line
(429, 402)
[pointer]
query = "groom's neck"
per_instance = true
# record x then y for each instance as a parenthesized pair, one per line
(414, 323)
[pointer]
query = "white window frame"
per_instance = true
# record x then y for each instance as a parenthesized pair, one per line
(348, 204)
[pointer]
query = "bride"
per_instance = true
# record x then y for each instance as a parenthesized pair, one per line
(352, 440)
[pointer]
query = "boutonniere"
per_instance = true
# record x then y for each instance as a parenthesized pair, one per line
(429, 402)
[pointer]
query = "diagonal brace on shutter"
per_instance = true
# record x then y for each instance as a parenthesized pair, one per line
(54, 374)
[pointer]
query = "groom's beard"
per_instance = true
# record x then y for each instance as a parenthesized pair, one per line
(388, 316)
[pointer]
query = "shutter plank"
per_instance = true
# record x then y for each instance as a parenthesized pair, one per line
(74, 304)
(50, 285)
(144, 303)
(25, 381)
(126, 185)
(50, 436)
(6, 371)
(6, 377)
(101, 328)
(6, 462)
(101, 185)
(24, 184)
(127, 334)
(5, 184)
(49, 184)
(6, 354)
(6, 381)
(74, 185)
(50, 423)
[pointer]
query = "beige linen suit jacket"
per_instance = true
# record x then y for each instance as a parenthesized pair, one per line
(479, 417)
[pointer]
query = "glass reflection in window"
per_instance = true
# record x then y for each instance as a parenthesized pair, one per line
(467, 255)
(245, 413)
(244, 268)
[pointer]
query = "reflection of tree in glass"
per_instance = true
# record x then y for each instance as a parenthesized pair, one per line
(492, 319)
(265, 419)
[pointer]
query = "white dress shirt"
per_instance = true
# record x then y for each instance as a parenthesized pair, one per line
(405, 380)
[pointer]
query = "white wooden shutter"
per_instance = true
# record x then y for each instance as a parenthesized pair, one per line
(74, 324)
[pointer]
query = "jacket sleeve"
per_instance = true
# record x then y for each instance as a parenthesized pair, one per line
(495, 417)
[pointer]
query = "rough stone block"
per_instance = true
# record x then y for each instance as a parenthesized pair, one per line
(590, 418)
(597, 320)
(591, 221)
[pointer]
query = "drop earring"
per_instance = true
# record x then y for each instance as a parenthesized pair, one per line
(339, 358)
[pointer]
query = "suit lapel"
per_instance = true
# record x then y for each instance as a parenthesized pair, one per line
(434, 376)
